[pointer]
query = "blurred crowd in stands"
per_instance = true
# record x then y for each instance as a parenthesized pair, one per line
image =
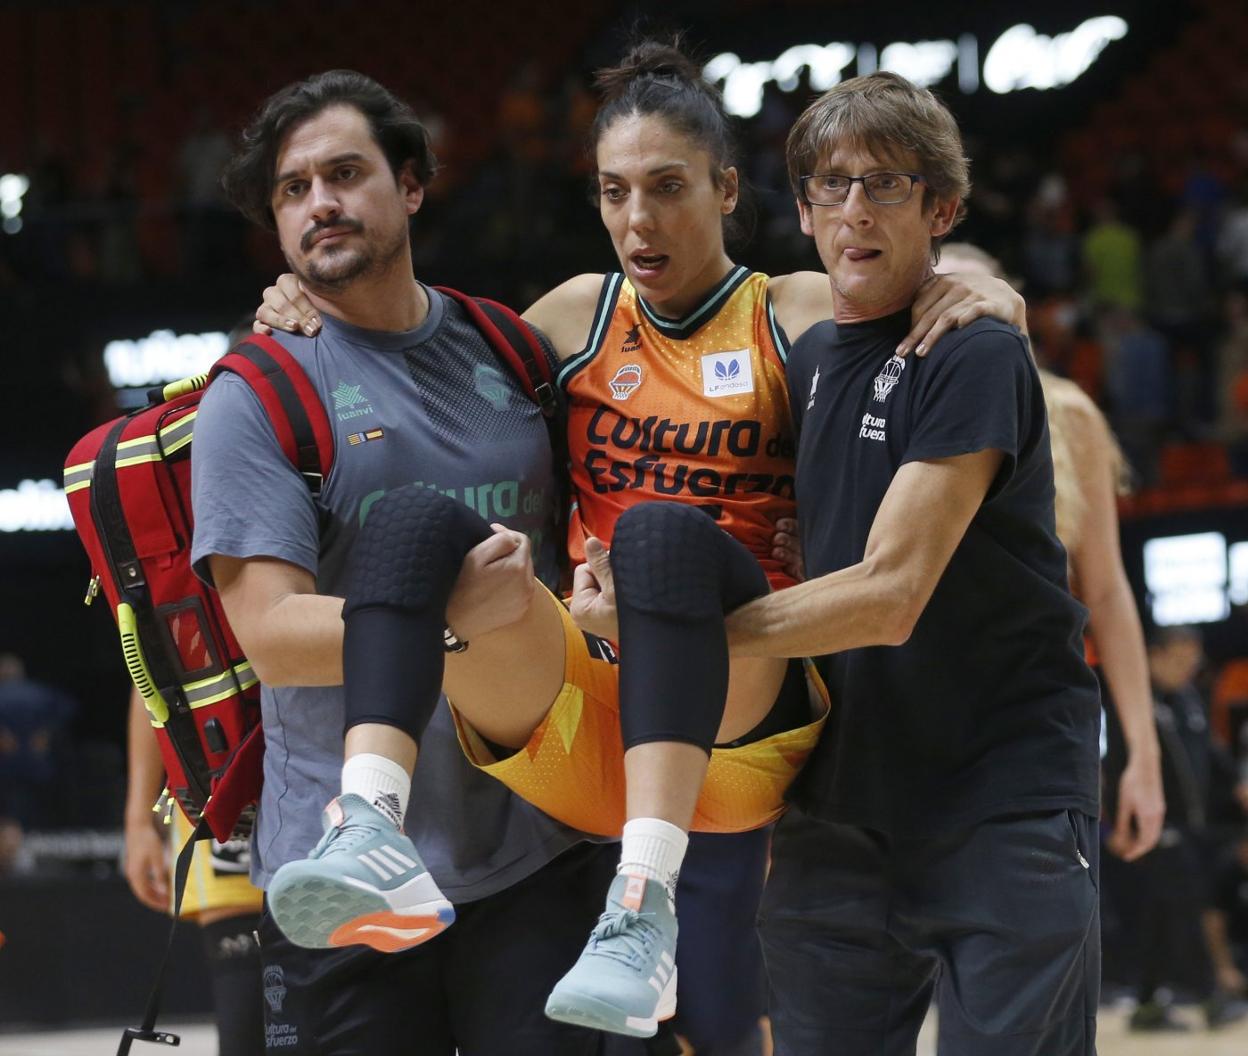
(1134, 260)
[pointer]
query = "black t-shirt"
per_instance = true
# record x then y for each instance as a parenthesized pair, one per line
(988, 709)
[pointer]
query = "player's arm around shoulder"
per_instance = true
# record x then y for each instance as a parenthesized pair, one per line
(984, 337)
(944, 304)
(800, 300)
(566, 314)
(987, 360)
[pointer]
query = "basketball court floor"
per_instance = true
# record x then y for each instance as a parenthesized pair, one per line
(1114, 1040)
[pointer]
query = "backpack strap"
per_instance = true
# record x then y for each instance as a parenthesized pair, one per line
(293, 407)
(514, 341)
(516, 344)
(147, 1031)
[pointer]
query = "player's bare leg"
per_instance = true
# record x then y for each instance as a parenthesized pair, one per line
(365, 883)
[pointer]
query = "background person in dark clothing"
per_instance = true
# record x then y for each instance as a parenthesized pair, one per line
(32, 716)
(1164, 898)
(1227, 918)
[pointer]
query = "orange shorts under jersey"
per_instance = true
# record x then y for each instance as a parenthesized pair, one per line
(572, 767)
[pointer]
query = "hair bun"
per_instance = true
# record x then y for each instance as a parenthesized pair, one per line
(647, 58)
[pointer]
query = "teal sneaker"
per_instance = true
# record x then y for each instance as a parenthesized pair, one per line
(363, 884)
(625, 980)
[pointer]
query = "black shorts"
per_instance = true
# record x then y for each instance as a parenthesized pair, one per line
(479, 989)
(1000, 921)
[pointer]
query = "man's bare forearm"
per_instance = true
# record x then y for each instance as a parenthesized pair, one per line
(879, 600)
(855, 607)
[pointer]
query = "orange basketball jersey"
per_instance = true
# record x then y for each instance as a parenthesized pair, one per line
(693, 410)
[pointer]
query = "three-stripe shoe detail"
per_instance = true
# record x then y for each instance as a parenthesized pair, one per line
(662, 972)
(625, 979)
(387, 862)
(362, 884)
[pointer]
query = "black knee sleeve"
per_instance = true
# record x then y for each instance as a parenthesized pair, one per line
(675, 561)
(410, 550)
(234, 969)
(676, 575)
(403, 569)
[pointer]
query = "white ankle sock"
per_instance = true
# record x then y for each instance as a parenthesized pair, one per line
(655, 849)
(380, 781)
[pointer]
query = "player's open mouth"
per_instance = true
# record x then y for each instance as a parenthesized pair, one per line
(647, 264)
(855, 254)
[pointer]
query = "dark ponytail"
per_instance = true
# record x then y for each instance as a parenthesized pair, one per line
(659, 79)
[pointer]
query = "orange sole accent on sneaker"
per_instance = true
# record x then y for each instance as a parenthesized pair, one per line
(388, 932)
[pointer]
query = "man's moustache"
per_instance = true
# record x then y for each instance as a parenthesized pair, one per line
(309, 236)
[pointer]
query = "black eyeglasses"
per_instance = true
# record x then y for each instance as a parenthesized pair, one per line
(883, 188)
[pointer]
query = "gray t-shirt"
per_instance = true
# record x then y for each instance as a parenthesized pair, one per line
(432, 405)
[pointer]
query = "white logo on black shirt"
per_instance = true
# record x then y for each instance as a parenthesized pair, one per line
(872, 427)
(886, 380)
(814, 384)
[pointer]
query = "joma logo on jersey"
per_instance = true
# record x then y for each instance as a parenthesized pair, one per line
(727, 373)
(350, 402)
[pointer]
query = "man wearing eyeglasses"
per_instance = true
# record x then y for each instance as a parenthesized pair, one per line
(942, 839)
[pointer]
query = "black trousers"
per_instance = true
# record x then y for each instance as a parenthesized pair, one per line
(1159, 899)
(1000, 921)
(479, 989)
(722, 991)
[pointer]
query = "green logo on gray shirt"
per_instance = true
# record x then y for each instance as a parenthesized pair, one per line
(490, 384)
(350, 401)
